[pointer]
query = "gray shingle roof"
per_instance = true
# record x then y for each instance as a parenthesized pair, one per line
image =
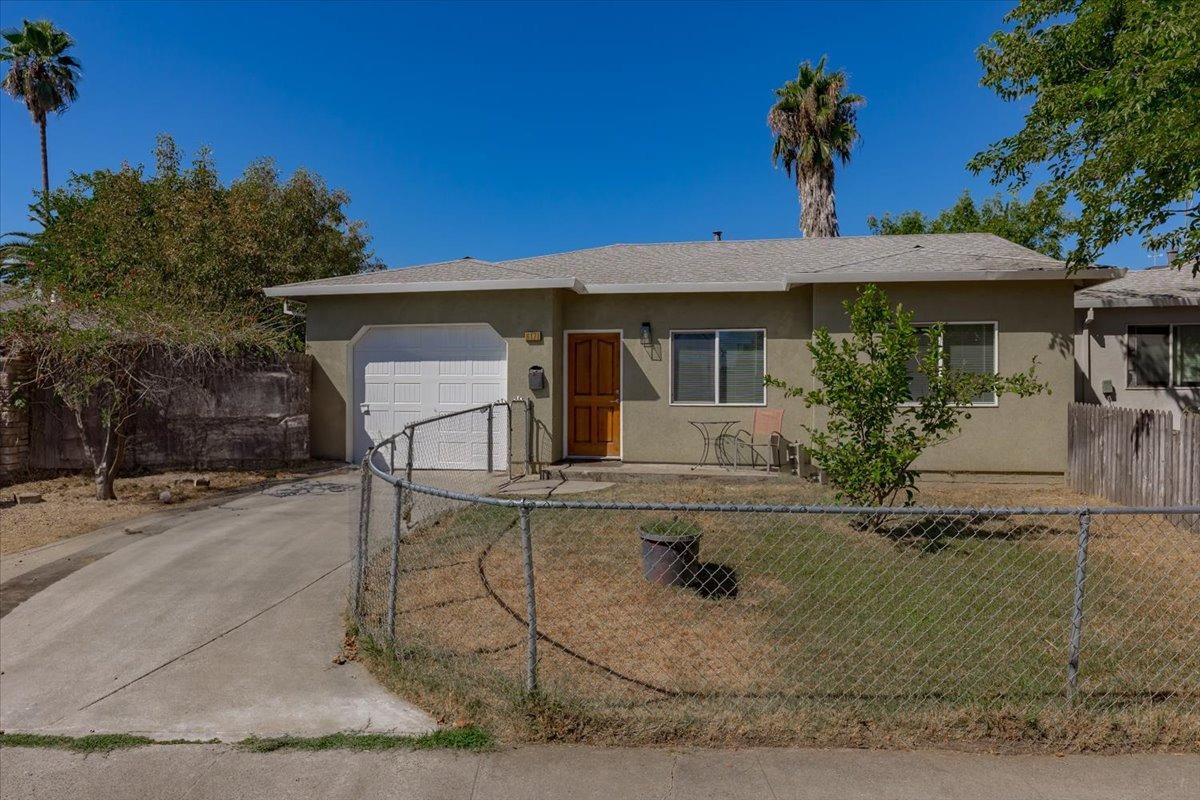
(710, 262)
(1157, 286)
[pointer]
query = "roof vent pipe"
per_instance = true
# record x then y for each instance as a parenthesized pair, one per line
(717, 236)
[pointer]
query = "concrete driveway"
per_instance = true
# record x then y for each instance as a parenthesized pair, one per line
(223, 623)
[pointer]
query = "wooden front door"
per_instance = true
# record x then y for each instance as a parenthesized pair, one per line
(594, 394)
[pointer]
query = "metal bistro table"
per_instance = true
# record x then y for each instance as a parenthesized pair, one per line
(710, 431)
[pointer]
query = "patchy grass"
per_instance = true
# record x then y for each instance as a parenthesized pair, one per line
(467, 738)
(92, 743)
(926, 632)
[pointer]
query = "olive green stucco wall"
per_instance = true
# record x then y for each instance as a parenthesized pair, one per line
(654, 430)
(1035, 318)
(333, 322)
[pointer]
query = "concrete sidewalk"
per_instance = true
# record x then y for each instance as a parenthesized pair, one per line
(217, 772)
(219, 623)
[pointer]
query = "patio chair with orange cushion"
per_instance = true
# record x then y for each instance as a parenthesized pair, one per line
(761, 442)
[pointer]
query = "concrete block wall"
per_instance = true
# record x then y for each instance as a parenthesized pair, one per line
(251, 415)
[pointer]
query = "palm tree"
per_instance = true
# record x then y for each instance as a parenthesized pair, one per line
(41, 75)
(814, 120)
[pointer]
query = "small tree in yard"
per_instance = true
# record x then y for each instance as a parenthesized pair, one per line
(876, 429)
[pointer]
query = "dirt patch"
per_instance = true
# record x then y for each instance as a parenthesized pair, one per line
(69, 506)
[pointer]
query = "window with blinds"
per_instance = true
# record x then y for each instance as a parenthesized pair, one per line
(967, 347)
(1187, 355)
(1149, 350)
(1158, 356)
(719, 367)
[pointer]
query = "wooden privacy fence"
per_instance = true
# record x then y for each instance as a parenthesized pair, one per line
(1133, 456)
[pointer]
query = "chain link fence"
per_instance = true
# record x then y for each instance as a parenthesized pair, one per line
(746, 616)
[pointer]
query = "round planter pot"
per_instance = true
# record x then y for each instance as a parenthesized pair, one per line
(668, 559)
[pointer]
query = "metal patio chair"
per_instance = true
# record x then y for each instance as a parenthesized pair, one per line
(762, 441)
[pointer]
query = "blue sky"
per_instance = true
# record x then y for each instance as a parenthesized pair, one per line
(505, 130)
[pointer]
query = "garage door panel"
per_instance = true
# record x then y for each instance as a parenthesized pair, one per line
(408, 373)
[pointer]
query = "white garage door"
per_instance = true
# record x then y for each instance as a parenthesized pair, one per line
(406, 373)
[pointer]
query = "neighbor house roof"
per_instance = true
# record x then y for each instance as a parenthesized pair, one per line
(1157, 286)
(720, 266)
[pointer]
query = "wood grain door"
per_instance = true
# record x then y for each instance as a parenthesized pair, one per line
(594, 394)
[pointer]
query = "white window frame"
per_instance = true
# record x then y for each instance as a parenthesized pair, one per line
(1170, 326)
(995, 402)
(716, 368)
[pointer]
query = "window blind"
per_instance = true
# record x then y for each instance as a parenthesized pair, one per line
(741, 367)
(972, 349)
(1149, 351)
(1187, 355)
(692, 365)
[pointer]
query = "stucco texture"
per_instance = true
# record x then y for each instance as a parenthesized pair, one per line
(1034, 320)
(1100, 347)
(1020, 435)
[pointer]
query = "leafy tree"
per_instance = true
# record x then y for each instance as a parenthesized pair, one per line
(181, 236)
(813, 121)
(875, 429)
(1115, 117)
(41, 75)
(105, 360)
(139, 285)
(1037, 224)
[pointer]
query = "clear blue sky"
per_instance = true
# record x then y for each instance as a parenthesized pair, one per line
(504, 130)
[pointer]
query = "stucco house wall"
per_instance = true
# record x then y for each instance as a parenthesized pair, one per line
(656, 430)
(1035, 318)
(1100, 345)
(334, 321)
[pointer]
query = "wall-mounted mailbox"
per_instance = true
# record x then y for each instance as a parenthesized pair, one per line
(1108, 390)
(537, 378)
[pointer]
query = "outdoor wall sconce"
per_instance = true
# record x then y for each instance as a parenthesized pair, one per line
(647, 335)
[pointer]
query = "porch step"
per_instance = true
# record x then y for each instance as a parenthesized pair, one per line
(620, 472)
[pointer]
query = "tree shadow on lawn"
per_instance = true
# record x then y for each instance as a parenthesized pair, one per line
(929, 534)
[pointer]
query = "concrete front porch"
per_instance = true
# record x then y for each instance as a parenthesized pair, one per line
(624, 472)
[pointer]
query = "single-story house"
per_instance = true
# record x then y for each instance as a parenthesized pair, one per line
(636, 341)
(1137, 341)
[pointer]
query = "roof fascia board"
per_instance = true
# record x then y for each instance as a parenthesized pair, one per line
(685, 288)
(299, 290)
(946, 275)
(1135, 302)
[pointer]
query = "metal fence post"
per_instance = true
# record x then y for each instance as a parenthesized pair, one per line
(364, 523)
(410, 432)
(392, 457)
(528, 435)
(394, 569)
(491, 424)
(1085, 521)
(531, 658)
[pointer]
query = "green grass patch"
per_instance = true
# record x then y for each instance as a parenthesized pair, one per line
(466, 738)
(92, 743)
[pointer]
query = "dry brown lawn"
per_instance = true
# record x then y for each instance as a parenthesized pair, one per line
(69, 506)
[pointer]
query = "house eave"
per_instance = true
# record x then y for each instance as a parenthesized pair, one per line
(1137, 302)
(300, 290)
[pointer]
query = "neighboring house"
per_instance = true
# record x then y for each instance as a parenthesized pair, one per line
(1137, 341)
(636, 341)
